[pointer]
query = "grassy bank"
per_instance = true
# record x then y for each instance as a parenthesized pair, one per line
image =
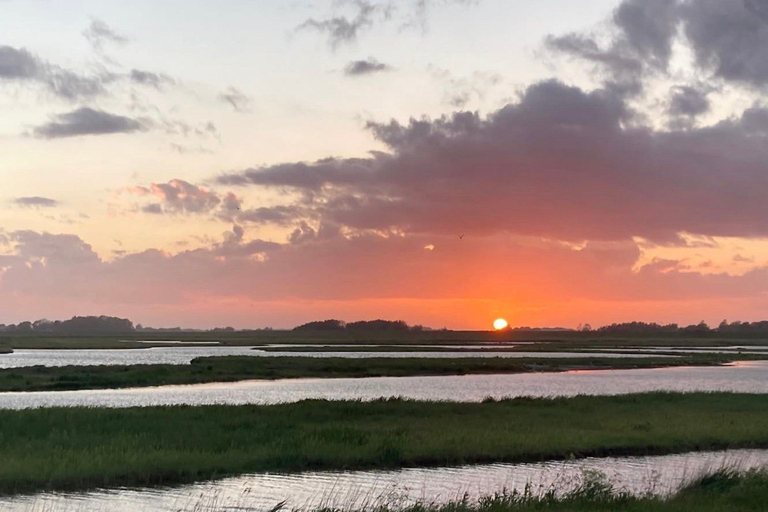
(234, 368)
(544, 340)
(85, 448)
(719, 492)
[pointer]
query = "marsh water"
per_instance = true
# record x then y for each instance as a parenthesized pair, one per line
(657, 475)
(183, 355)
(743, 377)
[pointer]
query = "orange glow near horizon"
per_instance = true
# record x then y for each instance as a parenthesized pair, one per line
(500, 324)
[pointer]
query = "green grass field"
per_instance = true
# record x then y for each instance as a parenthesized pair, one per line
(234, 368)
(82, 448)
(537, 340)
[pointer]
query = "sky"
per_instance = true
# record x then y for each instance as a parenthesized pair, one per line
(264, 163)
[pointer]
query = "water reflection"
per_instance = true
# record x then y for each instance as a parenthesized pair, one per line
(183, 355)
(359, 489)
(743, 377)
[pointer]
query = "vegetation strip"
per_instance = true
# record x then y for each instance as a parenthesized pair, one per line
(234, 368)
(722, 491)
(81, 448)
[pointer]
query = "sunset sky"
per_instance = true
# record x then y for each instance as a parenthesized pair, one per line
(263, 163)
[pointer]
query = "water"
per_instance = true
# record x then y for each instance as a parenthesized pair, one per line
(659, 475)
(754, 349)
(92, 357)
(183, 355)
(742, 377)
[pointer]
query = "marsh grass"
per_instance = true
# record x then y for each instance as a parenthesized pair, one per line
(80, 448)
(234, 368)
(723, 491)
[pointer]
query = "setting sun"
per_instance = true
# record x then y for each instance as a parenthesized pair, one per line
(500, 324)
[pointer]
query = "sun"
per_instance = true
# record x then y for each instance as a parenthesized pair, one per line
(500, 324)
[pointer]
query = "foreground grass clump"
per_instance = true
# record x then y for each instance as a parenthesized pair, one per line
(82, 448)
(723, 491)
(234, 368)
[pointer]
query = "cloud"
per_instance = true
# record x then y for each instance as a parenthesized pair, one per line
(281, 215)
(346, 29)
(341, 29)
(641, 44)
(365, 67)
(99, 34)
(178, 197)
(460, 91)
(35, 202)
(63, 271)
(561, 163)
(688, 101)
(153, 208)
(236, 98)
(727, 39)
(19, 65)
(148, 78)
(87, 121)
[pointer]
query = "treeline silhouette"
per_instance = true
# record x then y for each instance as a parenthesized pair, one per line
(363, 325)
(75, 325)
(701, 327)
(114, 325)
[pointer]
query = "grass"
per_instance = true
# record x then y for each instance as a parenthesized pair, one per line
(723, 491)
(80, 448)
(541, 340)
(234, 368)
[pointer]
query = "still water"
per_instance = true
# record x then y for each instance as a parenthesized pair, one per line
(659, 475)
(183, 355)
(743, 377)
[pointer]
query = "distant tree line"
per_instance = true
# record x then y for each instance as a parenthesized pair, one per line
(113, 325)
(363, 325)
(75, 325)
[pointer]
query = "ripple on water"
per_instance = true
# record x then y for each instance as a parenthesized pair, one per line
(658, 475)
(742, 377)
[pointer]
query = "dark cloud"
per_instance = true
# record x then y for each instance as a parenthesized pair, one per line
(237, 99)
(87, 121)
(649, 28)
(99, 33)
(687, 101)
(280, 215)
(755, 121)
(148, 78)
(36, 202)
(561, 163)
(184, 129)
(642, 46)
(178, 197)
(730, 38)
(365, 67)
(727, 37)
(17, 64)
(153, 208)
(342, 29)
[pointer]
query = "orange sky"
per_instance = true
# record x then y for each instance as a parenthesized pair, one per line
(599, 167)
